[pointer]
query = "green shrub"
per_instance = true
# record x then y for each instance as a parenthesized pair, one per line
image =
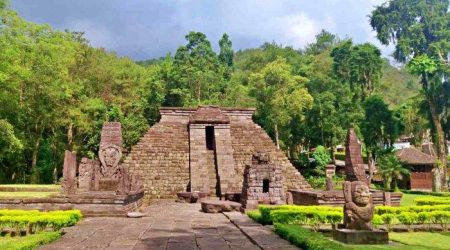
(439, 194)
(432, 201)
(441, 217)
(255, 215)
(312, 213)
(417, 209)
(34, 221)
(388, 220)
(407, 218)
(29, 241)
(305, 239)
(377, 220)
(315, 216)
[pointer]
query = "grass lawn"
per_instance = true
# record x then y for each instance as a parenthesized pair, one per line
(413, 241)
(408, 199)
(50, 186)
(26, 194)
(307, 239)
(29, 241)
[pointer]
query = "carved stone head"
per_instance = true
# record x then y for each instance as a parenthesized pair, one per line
(110, 156)
(360, 193)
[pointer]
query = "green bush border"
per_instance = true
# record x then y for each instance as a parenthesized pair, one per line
(306, 239)
(30, 241)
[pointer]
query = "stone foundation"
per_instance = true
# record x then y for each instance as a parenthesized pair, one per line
(336, 198)
(90, 204)
(350, 236)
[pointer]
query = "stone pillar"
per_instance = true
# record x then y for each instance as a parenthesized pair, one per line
(198, 169)
(69, 184)
(354, 165)
(224, 158)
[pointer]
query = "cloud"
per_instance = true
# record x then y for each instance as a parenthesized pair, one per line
(145, 29)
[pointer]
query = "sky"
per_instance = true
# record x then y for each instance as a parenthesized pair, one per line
(145, 29)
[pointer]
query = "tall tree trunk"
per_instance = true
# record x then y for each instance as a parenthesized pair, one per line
(70, 136)
(371, 163)
(440, 173)
(277, 141)
(35, 153)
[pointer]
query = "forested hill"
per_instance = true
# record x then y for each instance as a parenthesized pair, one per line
(397, 85)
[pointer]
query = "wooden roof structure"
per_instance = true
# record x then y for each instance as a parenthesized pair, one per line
(413, 156)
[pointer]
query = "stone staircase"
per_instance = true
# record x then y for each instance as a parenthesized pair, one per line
(212, 172)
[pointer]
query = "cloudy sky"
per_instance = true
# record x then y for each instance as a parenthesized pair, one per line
(144, 29)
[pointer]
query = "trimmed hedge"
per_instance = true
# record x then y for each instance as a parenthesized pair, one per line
(254, 215)
(316, 216)
(30, 241)
(440, 194)
(309, 211)
(432, 201)
(33, 221)
(306, 239)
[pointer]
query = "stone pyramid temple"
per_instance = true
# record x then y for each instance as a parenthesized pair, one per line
(204, 149)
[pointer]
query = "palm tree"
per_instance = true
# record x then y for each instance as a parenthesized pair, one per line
(392, 169)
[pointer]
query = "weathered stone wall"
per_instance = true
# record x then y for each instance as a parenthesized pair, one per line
(248, 138)
(161, 157)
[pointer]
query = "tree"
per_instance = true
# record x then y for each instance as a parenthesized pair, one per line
(3, 4)
(419, 30)
(392, 170)
(321, 158)
(226, 51)
(380, 128)
(324, 41)
(10, 147)
(281, 96)
(198, 75)
(358, 65)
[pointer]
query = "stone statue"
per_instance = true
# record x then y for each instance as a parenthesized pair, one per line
(110, 156)
(358, 208)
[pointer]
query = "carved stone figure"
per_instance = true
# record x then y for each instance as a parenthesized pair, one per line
(358, 208)
(86, 174)
(110, 156)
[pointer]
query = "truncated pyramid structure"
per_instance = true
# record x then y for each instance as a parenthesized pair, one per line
(204, 149)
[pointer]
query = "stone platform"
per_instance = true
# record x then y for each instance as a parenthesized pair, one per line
(336, 197)
(169, 225)
(350, 236)
(90, 203)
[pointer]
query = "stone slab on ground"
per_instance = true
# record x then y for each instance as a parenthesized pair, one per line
(261, 235)
(167, 225)
(217, 206)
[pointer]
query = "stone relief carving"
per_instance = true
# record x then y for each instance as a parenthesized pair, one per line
(110, 156)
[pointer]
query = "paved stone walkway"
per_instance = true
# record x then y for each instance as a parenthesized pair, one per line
(170, 225)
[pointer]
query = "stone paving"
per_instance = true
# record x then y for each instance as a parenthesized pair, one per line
(170, 225)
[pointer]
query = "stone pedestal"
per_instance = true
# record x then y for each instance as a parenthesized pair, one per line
(350, 236)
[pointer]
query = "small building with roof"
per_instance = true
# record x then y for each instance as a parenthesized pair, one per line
(421, 165)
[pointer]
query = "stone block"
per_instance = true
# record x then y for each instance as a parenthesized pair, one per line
(350, 236)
